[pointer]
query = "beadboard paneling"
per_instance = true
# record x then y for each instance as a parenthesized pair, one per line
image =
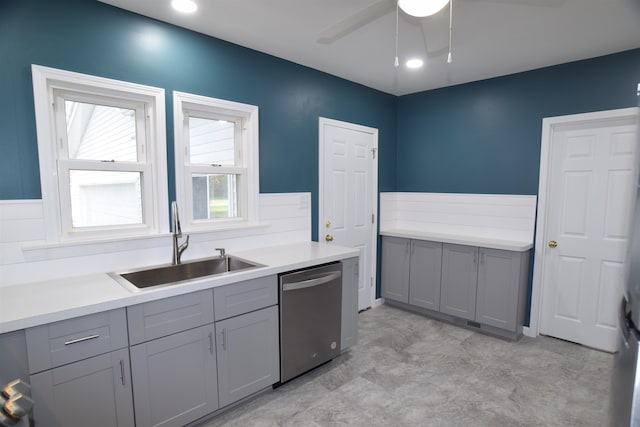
(284, 218)
(509, 217)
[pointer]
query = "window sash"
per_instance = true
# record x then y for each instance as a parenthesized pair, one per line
(51, 87)
(61, 121)
(66, 214)
(245, 119)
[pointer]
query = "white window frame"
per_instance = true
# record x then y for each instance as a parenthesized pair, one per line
(185, 104)
(49, 83)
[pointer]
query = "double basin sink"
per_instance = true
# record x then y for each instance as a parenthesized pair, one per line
(170, 274)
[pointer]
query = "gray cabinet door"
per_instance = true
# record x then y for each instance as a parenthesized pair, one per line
(459, 280)
(499, 287)
(425, 274)
(248, 353)
(92, 392)
(395, 269)
(349, 332)
(174, 378)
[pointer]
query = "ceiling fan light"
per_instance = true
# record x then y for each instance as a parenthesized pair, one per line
(184, 6)
(422, 8)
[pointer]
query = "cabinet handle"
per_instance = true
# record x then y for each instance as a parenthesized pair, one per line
(475, 257)
(76, 341)
(211, 343)
(122, 371)
(224, 339)
(482, 258)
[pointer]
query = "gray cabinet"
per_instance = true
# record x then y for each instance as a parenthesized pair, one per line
(502, 279)
(90, 392)
(174, 378)
(80, 371)
(349, 332)
(486, 287)
(395, 269)
(425, 274)
(173, 361)
(459, 278)
(248, 354)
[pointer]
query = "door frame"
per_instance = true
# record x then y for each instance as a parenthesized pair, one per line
(549, 126)
(374, 191)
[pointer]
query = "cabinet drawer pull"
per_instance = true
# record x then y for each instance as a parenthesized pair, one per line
(224, 339)
(122, 371)
(76, 341)
(211, 343)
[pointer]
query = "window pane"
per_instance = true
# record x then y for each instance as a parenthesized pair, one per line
(99, 132)
(214, 196)
(100, 198)
(211, 142)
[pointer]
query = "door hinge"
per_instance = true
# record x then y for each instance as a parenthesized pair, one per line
(373, 151)
(373, 218)
(371, 281)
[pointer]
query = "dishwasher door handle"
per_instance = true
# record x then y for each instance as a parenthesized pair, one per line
(311, 282)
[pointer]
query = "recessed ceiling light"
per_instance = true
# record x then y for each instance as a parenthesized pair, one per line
(414, 63)
(184, 6)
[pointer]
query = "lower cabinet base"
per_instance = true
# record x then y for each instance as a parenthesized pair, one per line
(227, 408)
(469, 324)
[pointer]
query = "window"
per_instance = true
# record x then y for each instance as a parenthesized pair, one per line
(102, 155)
(216, 151)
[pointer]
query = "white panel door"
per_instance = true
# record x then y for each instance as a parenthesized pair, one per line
(591, 187)
(348, 189)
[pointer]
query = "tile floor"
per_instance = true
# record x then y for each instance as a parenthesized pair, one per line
(408, 370)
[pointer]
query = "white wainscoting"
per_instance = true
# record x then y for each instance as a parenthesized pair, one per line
(26, 257)
(495, 216)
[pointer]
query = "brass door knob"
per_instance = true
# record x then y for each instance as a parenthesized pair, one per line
(553, 243)
(328, 238)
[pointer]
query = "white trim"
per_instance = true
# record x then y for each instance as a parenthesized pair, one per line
(378, 302)
(374, 188)
(250, 155)
(549, 125)
(45, 80)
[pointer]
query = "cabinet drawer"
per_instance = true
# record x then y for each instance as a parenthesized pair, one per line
(167, 316)
(67, 341)
(243, 297)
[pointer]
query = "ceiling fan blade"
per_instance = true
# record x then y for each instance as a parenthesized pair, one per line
(534, 3)
(355, 21)
(435, 31)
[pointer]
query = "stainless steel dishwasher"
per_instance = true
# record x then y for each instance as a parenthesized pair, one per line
(310, 318)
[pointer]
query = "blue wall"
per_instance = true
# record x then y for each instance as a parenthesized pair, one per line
(484, 137)
(93, 38)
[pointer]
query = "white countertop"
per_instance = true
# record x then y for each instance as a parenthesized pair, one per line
(462, 239)
(27, 305)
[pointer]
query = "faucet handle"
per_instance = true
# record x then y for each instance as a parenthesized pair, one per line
(222, 252)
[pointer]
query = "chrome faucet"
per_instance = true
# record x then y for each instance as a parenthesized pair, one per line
(177, 232)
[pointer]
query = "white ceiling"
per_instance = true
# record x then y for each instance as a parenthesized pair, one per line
(490, 37)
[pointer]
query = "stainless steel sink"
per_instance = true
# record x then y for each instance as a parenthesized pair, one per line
(170, 274)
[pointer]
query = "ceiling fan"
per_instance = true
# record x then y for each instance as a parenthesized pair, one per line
(434, 26)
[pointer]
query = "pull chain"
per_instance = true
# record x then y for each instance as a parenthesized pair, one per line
(396, 63)
(450, 29)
